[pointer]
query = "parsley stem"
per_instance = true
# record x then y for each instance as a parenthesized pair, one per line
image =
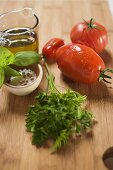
(50, 78)
(57, 115)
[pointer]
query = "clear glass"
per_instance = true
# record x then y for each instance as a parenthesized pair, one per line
(19, 30)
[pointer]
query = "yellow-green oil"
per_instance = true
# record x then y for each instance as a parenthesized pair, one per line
(21, 39)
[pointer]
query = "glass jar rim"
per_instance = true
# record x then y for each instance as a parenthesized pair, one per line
(19, 10)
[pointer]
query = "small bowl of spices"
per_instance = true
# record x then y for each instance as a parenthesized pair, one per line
(27, 82)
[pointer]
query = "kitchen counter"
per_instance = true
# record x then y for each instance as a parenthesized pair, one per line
(16, 151)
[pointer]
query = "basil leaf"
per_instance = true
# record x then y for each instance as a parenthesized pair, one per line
(6, 57)
(2, 77)
(11, 72)
(25, 58)
(16, 80)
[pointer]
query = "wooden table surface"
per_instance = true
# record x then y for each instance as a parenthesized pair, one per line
(16, 151)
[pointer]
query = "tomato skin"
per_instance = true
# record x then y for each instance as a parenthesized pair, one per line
(51, 47)
(79, 63)
(95, 38)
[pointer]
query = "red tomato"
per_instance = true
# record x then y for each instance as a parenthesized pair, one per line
(51, 47)
(79, 63)
(91, 34)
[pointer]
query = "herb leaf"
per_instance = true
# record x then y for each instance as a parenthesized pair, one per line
(11, 72)
(61, 140)
(6, 57)
(57, 116)
(1, 76)
(25, 58)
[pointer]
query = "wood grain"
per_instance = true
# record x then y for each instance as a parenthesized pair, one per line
(16, 151)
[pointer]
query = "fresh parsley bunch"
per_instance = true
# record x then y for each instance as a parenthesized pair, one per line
(7, 58)
(57, 116)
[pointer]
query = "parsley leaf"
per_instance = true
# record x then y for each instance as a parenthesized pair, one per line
(57, 116)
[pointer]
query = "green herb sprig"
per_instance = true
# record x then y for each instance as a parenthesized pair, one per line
(23, 58)
(57, 116)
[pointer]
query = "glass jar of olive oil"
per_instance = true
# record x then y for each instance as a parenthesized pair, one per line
(19, 31)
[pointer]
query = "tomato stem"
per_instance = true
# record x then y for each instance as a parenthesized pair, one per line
(91, 25)
(103, 76)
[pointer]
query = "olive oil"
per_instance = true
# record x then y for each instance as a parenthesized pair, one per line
(20, 39)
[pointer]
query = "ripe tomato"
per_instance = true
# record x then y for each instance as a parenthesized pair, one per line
(80, 63)
(51, 47)
(91, 34)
